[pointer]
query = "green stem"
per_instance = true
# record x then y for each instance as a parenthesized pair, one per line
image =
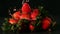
(27, 0)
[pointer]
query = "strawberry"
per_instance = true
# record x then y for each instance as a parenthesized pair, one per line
(12, 21)
(26, 8)
(46, 23)
(31, 27)
(16, 15)
(25, 16)
(34, 14)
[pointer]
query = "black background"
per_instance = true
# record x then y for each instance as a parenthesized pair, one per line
(51, 5)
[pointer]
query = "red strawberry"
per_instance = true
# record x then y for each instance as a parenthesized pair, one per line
(25, 16)
(31, 27)
(12, 21)
(26, 8)
(16, 15)
(34, 14)
(46, 23)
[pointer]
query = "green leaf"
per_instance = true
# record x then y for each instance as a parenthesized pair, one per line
(6, 19)
(19, 28)
(40, 8)
(17, 25)
(3, 28)
(8, 27)
(4, 24)
(24, 21)
(53, 24)
(12, 27)
(38, 23)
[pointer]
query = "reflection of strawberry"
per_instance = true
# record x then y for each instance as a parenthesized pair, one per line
(25, 16)
(12, 21)
(46, 23)
(31, 27)
(26, 8)
(34, 14)
(16, 15)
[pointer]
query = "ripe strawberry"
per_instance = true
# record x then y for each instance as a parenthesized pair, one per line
(34, 14)
(31, 27)
(25, 16)
(26, 8)
(16, 15)
(12, 21)
(46, 23)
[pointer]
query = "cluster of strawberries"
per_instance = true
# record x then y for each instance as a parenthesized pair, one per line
(28, 14)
